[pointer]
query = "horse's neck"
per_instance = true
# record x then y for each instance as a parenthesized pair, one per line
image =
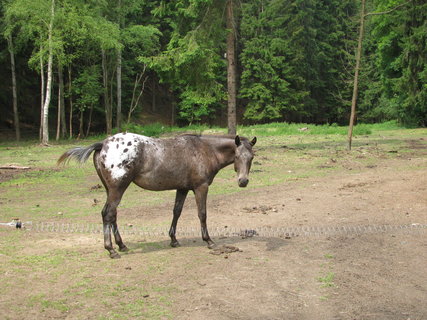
(225, 150)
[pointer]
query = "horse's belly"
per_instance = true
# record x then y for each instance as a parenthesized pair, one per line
(159, 183)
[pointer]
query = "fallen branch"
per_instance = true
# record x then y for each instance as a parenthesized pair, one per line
(12, 167)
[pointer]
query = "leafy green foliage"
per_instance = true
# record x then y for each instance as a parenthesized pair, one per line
(295, 59)
(87, 87)
(293, 56)
(396, 57)
(192, 60)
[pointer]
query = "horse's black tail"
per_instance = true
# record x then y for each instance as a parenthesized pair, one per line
(80, 154)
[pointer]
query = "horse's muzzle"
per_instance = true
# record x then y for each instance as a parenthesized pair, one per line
(243, 182)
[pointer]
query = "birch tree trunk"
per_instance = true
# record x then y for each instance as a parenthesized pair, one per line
(14, 95)
(231, 70)
(42, 88)
(45, 131)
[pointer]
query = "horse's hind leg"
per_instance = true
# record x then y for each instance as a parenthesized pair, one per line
(109, 219)
(201, 194)
(179, 203)
(109, 212)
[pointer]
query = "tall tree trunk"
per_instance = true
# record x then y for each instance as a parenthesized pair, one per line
(81, 129)
(119, 73)
(42, 88)
(119, 90)
(14, 95)
(60, 107)
(107, 103)
(231, 70)
(58, 118)
(356, 74)
(70, 97)
(89, 123)
(153, 95)
(135, 99)
(45, 135)
(173, 111)
(61, 101)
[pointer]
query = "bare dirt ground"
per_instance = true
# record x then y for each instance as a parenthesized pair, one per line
(379, 275)
(371, 276)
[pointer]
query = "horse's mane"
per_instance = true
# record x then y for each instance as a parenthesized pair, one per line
(213, 136)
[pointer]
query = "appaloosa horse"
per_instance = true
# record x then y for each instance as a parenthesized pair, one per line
(186, 162)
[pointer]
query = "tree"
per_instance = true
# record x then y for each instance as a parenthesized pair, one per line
(294, 59)
(231, 68)
(87, 91)
(356, 73)
(29, 18)
(192, 63)
(45, 131)
(14, 90)
(363, 16)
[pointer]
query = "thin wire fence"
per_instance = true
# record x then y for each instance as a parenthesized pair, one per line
(222, 231)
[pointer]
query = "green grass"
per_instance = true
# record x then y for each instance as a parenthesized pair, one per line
(57, 282)
(327, 280)
(279, 129)
(270, 129)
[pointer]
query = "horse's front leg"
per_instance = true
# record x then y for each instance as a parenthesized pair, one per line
(179, 203)
(201, 194)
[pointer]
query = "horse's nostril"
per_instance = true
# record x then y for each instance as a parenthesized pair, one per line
(243, 182)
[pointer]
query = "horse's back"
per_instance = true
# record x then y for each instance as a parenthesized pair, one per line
(155, 164)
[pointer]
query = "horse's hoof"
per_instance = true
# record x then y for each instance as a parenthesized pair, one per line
(175, 244)
(124, 249)
(115, 255)
(211, 245)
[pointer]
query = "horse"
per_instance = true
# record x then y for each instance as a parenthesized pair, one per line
(183, 163)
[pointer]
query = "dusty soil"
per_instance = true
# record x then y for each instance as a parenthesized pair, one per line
(374, 276)
(352, 276)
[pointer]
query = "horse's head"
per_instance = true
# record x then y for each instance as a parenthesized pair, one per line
(243, 160)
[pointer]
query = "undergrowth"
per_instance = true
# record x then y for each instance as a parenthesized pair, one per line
(270, 129)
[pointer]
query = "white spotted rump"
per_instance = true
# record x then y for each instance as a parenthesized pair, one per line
(120, 151)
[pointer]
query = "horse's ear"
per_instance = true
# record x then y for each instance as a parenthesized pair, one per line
(237, 141)
(253, 141)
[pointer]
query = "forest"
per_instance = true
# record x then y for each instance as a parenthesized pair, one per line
(70, 68)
